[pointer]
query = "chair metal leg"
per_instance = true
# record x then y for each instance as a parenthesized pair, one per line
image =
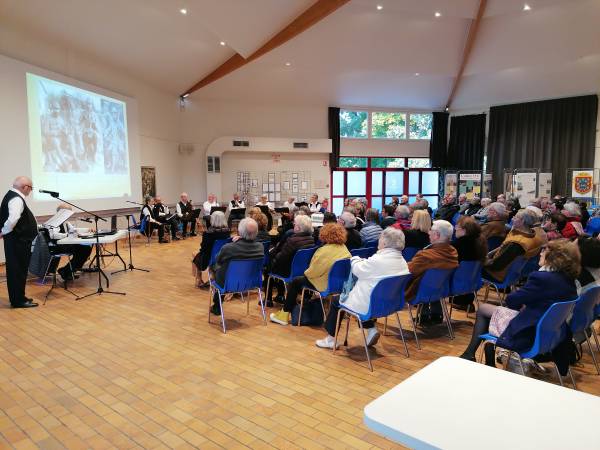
(301, 305)
(262, 305)
(447, 317)
(414, 325)
(559, 375)
(385, 326)
(572, 378)
(322, 307)
(210, 299)
(587, 339)
(337, 329)
(268, 284)
(595, 337)
(401, 334)
(222, 314)
(348, 318)
(451, 301)
(365, 344)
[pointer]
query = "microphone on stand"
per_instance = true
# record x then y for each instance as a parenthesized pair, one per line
(52, 193)
(88, 220)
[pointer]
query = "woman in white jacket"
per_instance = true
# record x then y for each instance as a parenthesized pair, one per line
(388, 261)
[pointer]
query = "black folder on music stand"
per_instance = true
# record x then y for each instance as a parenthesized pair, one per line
(218, 208)
(301, 204)
(285, 210)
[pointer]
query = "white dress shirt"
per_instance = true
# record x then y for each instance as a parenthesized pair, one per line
(15, 209)
(56, 234)
(240, 205)
(314, 207)
(269, 204)
(207, 206)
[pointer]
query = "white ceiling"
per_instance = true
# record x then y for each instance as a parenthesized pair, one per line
(356, 56)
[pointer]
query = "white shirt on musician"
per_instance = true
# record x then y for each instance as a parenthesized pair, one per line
(207, 206)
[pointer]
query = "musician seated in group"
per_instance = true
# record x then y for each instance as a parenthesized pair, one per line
(80, 252)
(244, 246)
(185, 214)
(162, 214)
(314, 204)
(152, 224)
(264, 201)
(235, 209)
(207, 207)
(218, 230)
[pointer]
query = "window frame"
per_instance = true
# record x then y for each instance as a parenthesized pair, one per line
(368, 136)
(370, 112)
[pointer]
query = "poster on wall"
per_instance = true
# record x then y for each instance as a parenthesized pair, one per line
(450, 184)
(508, 184)
(582, 184)
(148, 181)
(525, 187)
(469, 184)
(487, 185)
(545, 184)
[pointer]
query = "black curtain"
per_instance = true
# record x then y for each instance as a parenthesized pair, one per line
(551, 134)
(467, 142)
(334, 135)
(439, 140)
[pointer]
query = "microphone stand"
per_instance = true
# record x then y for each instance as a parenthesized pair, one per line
(130, 266)
(100, 290)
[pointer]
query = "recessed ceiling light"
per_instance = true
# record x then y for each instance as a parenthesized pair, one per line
(438, 14)
(222, 43)
(288, 64)
(183, 11)
(417, 74)
(526, 7)
(379, 7)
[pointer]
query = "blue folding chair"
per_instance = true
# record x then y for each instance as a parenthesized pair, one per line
(364, 252)
(549, 332)
(433, 287)
(409, 253)
(513, 274)
(300, 263)
(593, 226)
(241, 276)
(338, 274)
(494, 242)
(466, 279)
(455, 218)
(583, 318)
(266, 245)
(216, 248)
(374, 243)
(531, 265)
(387, 297)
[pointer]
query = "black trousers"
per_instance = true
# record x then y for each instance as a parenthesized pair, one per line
(294, 289)
(18, 254)
(185, 223)
(172, 225)
(332, 319)
(80, 255)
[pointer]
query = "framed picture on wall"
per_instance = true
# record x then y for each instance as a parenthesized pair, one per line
(148, 181)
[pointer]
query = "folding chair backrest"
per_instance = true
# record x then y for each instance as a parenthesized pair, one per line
(494, 242)
(363, 252)
(370, 244)
(514, 271)
(455, 218)
(409, 253)
(243, 275)
(593, 226)
(217, 246)
(266, 245)
(387, 296)
(338, 274)
(583, 313)
(550, 330)
(143, 225)
(434, 285)
(466, 278)
(531, 265)
(301, 261)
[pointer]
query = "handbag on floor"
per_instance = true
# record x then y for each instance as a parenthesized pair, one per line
(312, 314)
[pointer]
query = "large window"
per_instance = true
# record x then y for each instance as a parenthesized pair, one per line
(396, 125)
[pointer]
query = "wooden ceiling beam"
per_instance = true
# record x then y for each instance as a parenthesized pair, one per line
(471, 37)
(314, 14)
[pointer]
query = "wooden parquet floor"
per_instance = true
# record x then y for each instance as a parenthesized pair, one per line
(148, 371)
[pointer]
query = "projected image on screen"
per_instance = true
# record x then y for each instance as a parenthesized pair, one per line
(79, 143)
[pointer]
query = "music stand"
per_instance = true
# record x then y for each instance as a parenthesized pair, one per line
(284, 210)
(130, 266)
(300, 204)
(218, 208)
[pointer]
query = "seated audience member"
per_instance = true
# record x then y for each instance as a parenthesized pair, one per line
(439, 255)
(348, 221)
(403, 200)
(481, 215)
(388, 216)
(395, 202)
(162, 214)
(418, 234)
(148, 214)
(589, 248)
(470, 246)
(314, 205)
(585, 214)
(207, 207)
(448, 209)
(573, 227)
(324, 206)
(290, 203)
(218, 230)
(495, 226)
(359, 212)
(80, 252)
(185, 214)
(388, 261)
(402, 215)
(463, 203)
(371, 230)
(262, 221)
(522, 240)
(554, 282)
(333, 237)
(283, 254)
(474, 205)
(501, 198)
(553, 226)
(328, 217)
(424, 204)
(236, 209)
(245, 246)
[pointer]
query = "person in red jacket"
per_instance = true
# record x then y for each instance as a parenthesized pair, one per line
(573, 227)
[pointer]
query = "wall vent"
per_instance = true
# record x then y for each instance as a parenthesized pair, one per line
(241, 143)
(300, 144)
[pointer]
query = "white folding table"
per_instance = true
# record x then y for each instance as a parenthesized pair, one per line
(457, 404)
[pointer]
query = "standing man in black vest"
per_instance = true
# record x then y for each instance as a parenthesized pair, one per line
(19, 229)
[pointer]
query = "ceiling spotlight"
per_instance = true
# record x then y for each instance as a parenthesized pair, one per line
(222, 43)
(438, 14)
(417, 74)
(185, 95)
(288, 64)
(526, 7)
(183, 11)
(379, 7)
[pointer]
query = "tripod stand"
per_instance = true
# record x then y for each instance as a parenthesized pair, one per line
(100, 290)
(130, 266)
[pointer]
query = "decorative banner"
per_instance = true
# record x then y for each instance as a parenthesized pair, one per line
(470, 184)
(583, 183)
(545, 185)
(450, 184)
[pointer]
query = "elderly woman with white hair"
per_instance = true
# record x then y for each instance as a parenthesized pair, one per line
(218, 230)
(388, 261)
(573, 228)
(348, 221)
